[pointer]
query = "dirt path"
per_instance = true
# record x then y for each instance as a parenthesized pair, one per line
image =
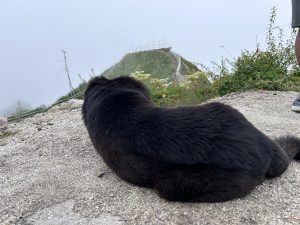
(50, 174)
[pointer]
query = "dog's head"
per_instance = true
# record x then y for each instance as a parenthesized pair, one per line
(100, 88)
(104, 86)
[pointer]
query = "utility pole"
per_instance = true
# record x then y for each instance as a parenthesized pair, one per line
(19, 109)
(67, 71)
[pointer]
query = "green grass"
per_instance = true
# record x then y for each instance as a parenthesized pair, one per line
(159, 63)
(188, 67)
(6, 134)
(165, 92)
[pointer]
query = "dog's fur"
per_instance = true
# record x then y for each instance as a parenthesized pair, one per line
(206, 153)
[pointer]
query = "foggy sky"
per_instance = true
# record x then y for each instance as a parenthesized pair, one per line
(97, 33)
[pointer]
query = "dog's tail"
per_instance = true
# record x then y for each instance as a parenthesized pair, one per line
(291, 145)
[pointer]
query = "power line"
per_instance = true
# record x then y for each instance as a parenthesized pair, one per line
(47, 86)
(26, 114)
(73, 95)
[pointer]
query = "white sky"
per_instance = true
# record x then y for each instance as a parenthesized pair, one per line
(97, 33)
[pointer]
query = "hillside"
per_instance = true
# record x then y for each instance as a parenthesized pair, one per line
(161, 63)
(51, 174)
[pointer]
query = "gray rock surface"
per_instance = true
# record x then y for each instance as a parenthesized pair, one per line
(50, 174)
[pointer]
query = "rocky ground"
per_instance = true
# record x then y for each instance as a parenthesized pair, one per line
(50, 174)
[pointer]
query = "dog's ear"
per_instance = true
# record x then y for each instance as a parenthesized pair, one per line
(132, 83)
(98, 81)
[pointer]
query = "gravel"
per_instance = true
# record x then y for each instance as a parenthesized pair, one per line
(50, 174)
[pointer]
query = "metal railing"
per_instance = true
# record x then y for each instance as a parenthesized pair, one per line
(33, 112)
(177, 75)
(150, 46)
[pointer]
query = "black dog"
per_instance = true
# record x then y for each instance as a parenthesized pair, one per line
(206, 153)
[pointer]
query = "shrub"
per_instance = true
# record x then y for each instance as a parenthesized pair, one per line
(164, 92)
(275, 68)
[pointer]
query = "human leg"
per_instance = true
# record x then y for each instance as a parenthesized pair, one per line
(296, 24)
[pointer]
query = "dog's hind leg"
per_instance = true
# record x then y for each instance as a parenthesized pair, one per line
(204, 184)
